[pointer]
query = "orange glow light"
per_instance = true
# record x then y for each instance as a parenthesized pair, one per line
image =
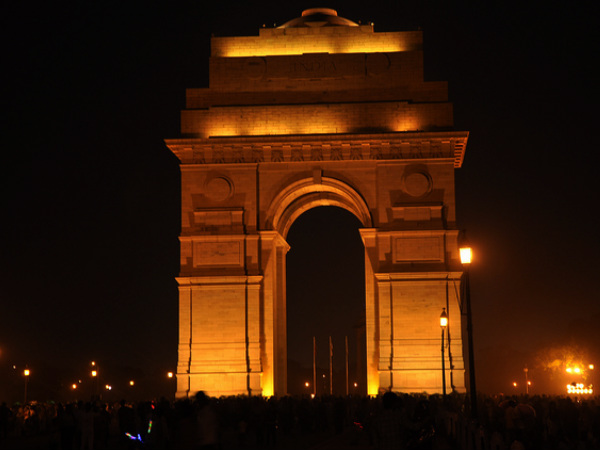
(579, 388)
(444, 319)
(356, 41)
(372, 388)
(466, 255)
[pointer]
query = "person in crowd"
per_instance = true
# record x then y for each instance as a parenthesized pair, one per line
(388, 425)
(207, 424)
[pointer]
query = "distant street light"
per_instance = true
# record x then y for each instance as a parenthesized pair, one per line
(466, 256)
(95, 376)
(443, 325)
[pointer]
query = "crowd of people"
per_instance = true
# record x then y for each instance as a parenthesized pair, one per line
(390, 421)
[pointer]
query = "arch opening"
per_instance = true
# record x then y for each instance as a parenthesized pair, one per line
(325, 298)
(306, 194)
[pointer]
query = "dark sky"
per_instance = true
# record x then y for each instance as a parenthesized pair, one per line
(90, 193)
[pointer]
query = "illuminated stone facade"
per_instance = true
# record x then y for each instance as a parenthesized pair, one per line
(318, 112)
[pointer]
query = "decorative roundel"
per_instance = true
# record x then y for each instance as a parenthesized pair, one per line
(377, 63)
(255, 68)
(219, 189)
(417, 184)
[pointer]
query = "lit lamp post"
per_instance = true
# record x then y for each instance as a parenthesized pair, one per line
(26, 373)
(443, 325)
(95, 377)
(465, 259)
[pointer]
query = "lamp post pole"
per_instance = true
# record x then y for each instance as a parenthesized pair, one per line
(443, 325)
(26, 372)
(465, 257)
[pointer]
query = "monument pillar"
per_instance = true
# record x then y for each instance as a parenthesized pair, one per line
(273, 340)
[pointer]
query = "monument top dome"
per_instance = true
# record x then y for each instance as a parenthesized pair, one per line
(318, 17)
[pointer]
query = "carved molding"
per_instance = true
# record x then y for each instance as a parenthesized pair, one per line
(284, 149)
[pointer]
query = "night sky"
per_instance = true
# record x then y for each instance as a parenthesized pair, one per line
(90, 193)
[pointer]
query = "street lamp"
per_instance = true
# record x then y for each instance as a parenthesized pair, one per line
(96, 382)
(465, 258)
(443, 325)
(26, 373)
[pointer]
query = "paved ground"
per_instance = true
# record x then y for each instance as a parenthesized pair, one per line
(349, 440)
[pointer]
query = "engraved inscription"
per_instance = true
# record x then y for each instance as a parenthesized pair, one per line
(320, 68)
(217, 254)
(418, 249)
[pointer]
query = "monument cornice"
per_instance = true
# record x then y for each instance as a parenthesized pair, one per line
(218, 281)
(321, 147)
(416, 276)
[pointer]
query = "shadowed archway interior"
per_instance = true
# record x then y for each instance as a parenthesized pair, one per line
(325, 297)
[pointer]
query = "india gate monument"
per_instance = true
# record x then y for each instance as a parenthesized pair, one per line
(320, 111)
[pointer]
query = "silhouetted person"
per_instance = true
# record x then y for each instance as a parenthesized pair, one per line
(387, 425)
(87, 427)
(5, 414)
(126, 418)
(207, 423)
(184, 432)
(67, 426)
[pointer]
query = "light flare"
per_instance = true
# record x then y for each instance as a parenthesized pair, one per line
(579, 388)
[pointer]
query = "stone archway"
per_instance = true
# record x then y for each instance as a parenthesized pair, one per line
(292, 200)
(308, 193)
(333, 114)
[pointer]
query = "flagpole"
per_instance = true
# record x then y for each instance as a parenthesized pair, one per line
(330, 367)
(314, 366)
(346, 366)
